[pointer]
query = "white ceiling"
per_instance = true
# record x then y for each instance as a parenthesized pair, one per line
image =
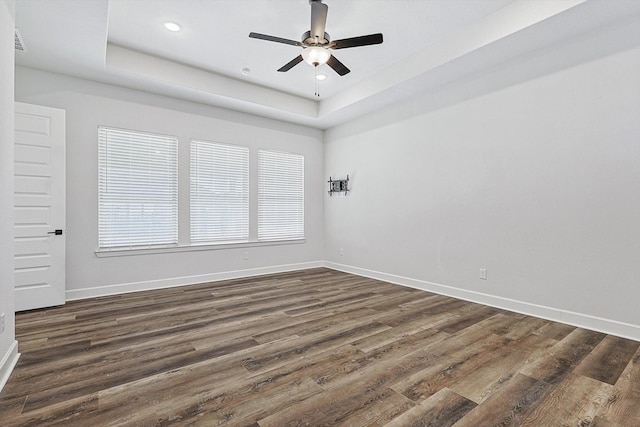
(426, 43)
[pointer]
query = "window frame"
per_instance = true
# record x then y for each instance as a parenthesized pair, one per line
(238, 204)
(122, 203)
(182, 241)
(275, 189)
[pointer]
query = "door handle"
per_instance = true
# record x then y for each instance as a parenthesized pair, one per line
(57, 232)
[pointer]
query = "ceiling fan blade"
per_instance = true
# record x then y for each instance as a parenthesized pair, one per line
(357, 41)
(337, 66)
(318, 19)
(274, 39)
(289, 65)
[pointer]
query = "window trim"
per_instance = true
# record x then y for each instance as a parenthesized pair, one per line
(107, 253)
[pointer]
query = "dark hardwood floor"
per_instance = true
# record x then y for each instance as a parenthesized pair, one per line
(312, 348)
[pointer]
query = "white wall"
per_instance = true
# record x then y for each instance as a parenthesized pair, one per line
(538, 182)
(89, 105)
(8, 345)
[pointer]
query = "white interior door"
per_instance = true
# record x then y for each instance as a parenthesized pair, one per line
(39, 206)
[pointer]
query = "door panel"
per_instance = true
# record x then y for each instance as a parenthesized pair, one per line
(39, 206)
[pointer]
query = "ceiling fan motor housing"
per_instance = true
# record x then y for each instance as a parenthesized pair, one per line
(308, 40)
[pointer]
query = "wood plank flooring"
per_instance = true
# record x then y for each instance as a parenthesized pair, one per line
(312, 348)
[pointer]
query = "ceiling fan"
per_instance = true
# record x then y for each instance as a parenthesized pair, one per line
(316, 43)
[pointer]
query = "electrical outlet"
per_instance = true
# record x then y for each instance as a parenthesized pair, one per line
(245, 255)
(341, 252)
(2, 325)
(483, 273)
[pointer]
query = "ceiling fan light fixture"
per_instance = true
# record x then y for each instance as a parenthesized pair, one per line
(315, 55)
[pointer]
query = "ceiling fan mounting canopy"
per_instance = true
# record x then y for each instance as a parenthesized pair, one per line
(316, 42)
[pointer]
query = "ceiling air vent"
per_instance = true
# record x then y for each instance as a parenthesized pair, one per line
(19, 43)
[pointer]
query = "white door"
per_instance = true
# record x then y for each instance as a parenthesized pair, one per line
(39, 206)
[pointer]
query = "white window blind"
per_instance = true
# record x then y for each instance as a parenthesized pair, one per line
(137, 189)
(219, 192)
(280, 195)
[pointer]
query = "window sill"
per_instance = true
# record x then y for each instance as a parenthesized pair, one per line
(106, 253)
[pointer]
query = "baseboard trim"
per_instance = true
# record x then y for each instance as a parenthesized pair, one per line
(8, 362)
(124, 288)
(608, 326)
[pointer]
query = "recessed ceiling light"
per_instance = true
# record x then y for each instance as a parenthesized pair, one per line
(171, 26)
(321, 77)
(245, 71)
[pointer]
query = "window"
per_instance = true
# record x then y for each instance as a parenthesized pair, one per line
(219, 192)
(137, 189)
(280, 195)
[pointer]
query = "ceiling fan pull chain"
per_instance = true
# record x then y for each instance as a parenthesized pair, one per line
(317, 93)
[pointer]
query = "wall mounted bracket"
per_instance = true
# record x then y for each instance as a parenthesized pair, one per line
(338, 186)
